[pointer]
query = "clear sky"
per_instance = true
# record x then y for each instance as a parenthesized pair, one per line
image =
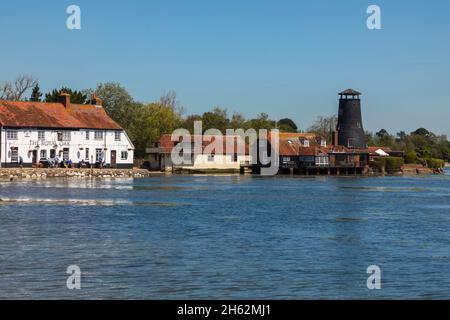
(285, 58)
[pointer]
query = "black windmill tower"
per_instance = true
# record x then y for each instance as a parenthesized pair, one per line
(349, 128)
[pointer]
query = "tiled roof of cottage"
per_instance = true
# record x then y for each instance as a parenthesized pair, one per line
(165, 143)
(19, 114)
(293, 147)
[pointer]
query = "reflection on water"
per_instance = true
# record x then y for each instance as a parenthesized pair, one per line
(197, 237)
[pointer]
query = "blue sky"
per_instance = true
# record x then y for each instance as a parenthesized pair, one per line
(285, 58)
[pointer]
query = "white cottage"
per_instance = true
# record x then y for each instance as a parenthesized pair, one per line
(36, 132)
(160, 155)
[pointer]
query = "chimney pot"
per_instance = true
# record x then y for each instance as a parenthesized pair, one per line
(64, 98)
(96, 100)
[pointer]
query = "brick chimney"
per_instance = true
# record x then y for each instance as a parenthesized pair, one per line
(334, 138)
(64, 98)
(96, 101)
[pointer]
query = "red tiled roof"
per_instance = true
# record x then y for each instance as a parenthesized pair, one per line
(54, 115)
(288, 147)
(312, 151)
(165, 143)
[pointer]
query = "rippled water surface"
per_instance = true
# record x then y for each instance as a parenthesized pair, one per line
(199, 237)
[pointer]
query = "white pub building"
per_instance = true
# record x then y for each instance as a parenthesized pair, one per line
(38, 132)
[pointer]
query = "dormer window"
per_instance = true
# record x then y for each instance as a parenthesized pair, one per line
(323, 143)
(306, 143)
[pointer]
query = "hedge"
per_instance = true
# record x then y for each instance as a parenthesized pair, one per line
(394, 164)
(390, 164)
(434, 163)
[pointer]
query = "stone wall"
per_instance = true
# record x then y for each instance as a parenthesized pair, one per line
(41, 173)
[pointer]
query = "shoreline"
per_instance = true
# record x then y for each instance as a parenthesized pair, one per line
(33, 174)
(13, 174)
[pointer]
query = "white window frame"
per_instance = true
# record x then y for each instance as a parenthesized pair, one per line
(117, 135)
(86, 154)
(66, 136)
(88, 135)
(14, 155)
(122, 155)
(98, 135)
(99, 152)
(41, 135)
(12, 135)
(43, 152)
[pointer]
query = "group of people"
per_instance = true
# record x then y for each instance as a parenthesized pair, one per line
(56, 162)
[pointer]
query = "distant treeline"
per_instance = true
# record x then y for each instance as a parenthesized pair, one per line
(146, 122)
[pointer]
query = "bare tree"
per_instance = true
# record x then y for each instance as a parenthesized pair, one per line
(324, 126)
(5, 91)
(170, 100)
(16, 90)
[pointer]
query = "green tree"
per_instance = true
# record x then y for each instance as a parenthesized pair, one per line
(411, 157)
(262, 121)
(36, 94)
(216, 119)
(238, 121)
(188, 122)
(287, 125)
(151, 121)
(117, 102)
(77, 97)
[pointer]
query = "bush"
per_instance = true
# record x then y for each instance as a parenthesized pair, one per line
(434, 163)
(411, 157)
(379, 163)
(394, 164)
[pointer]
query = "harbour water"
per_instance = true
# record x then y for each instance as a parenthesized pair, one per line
(226, 237)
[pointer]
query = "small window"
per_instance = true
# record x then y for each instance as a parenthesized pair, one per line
(306, 143)
(88, 135)
(11, 135)
(98, 155)
(117, 135)
(286, 159)
(14, 155)
(41, 135)
(211, 158)
(60, 136)
(86, 156)
(98, 135)
(323, 143)
(43, 154)
(66, 136)
(124, 155)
